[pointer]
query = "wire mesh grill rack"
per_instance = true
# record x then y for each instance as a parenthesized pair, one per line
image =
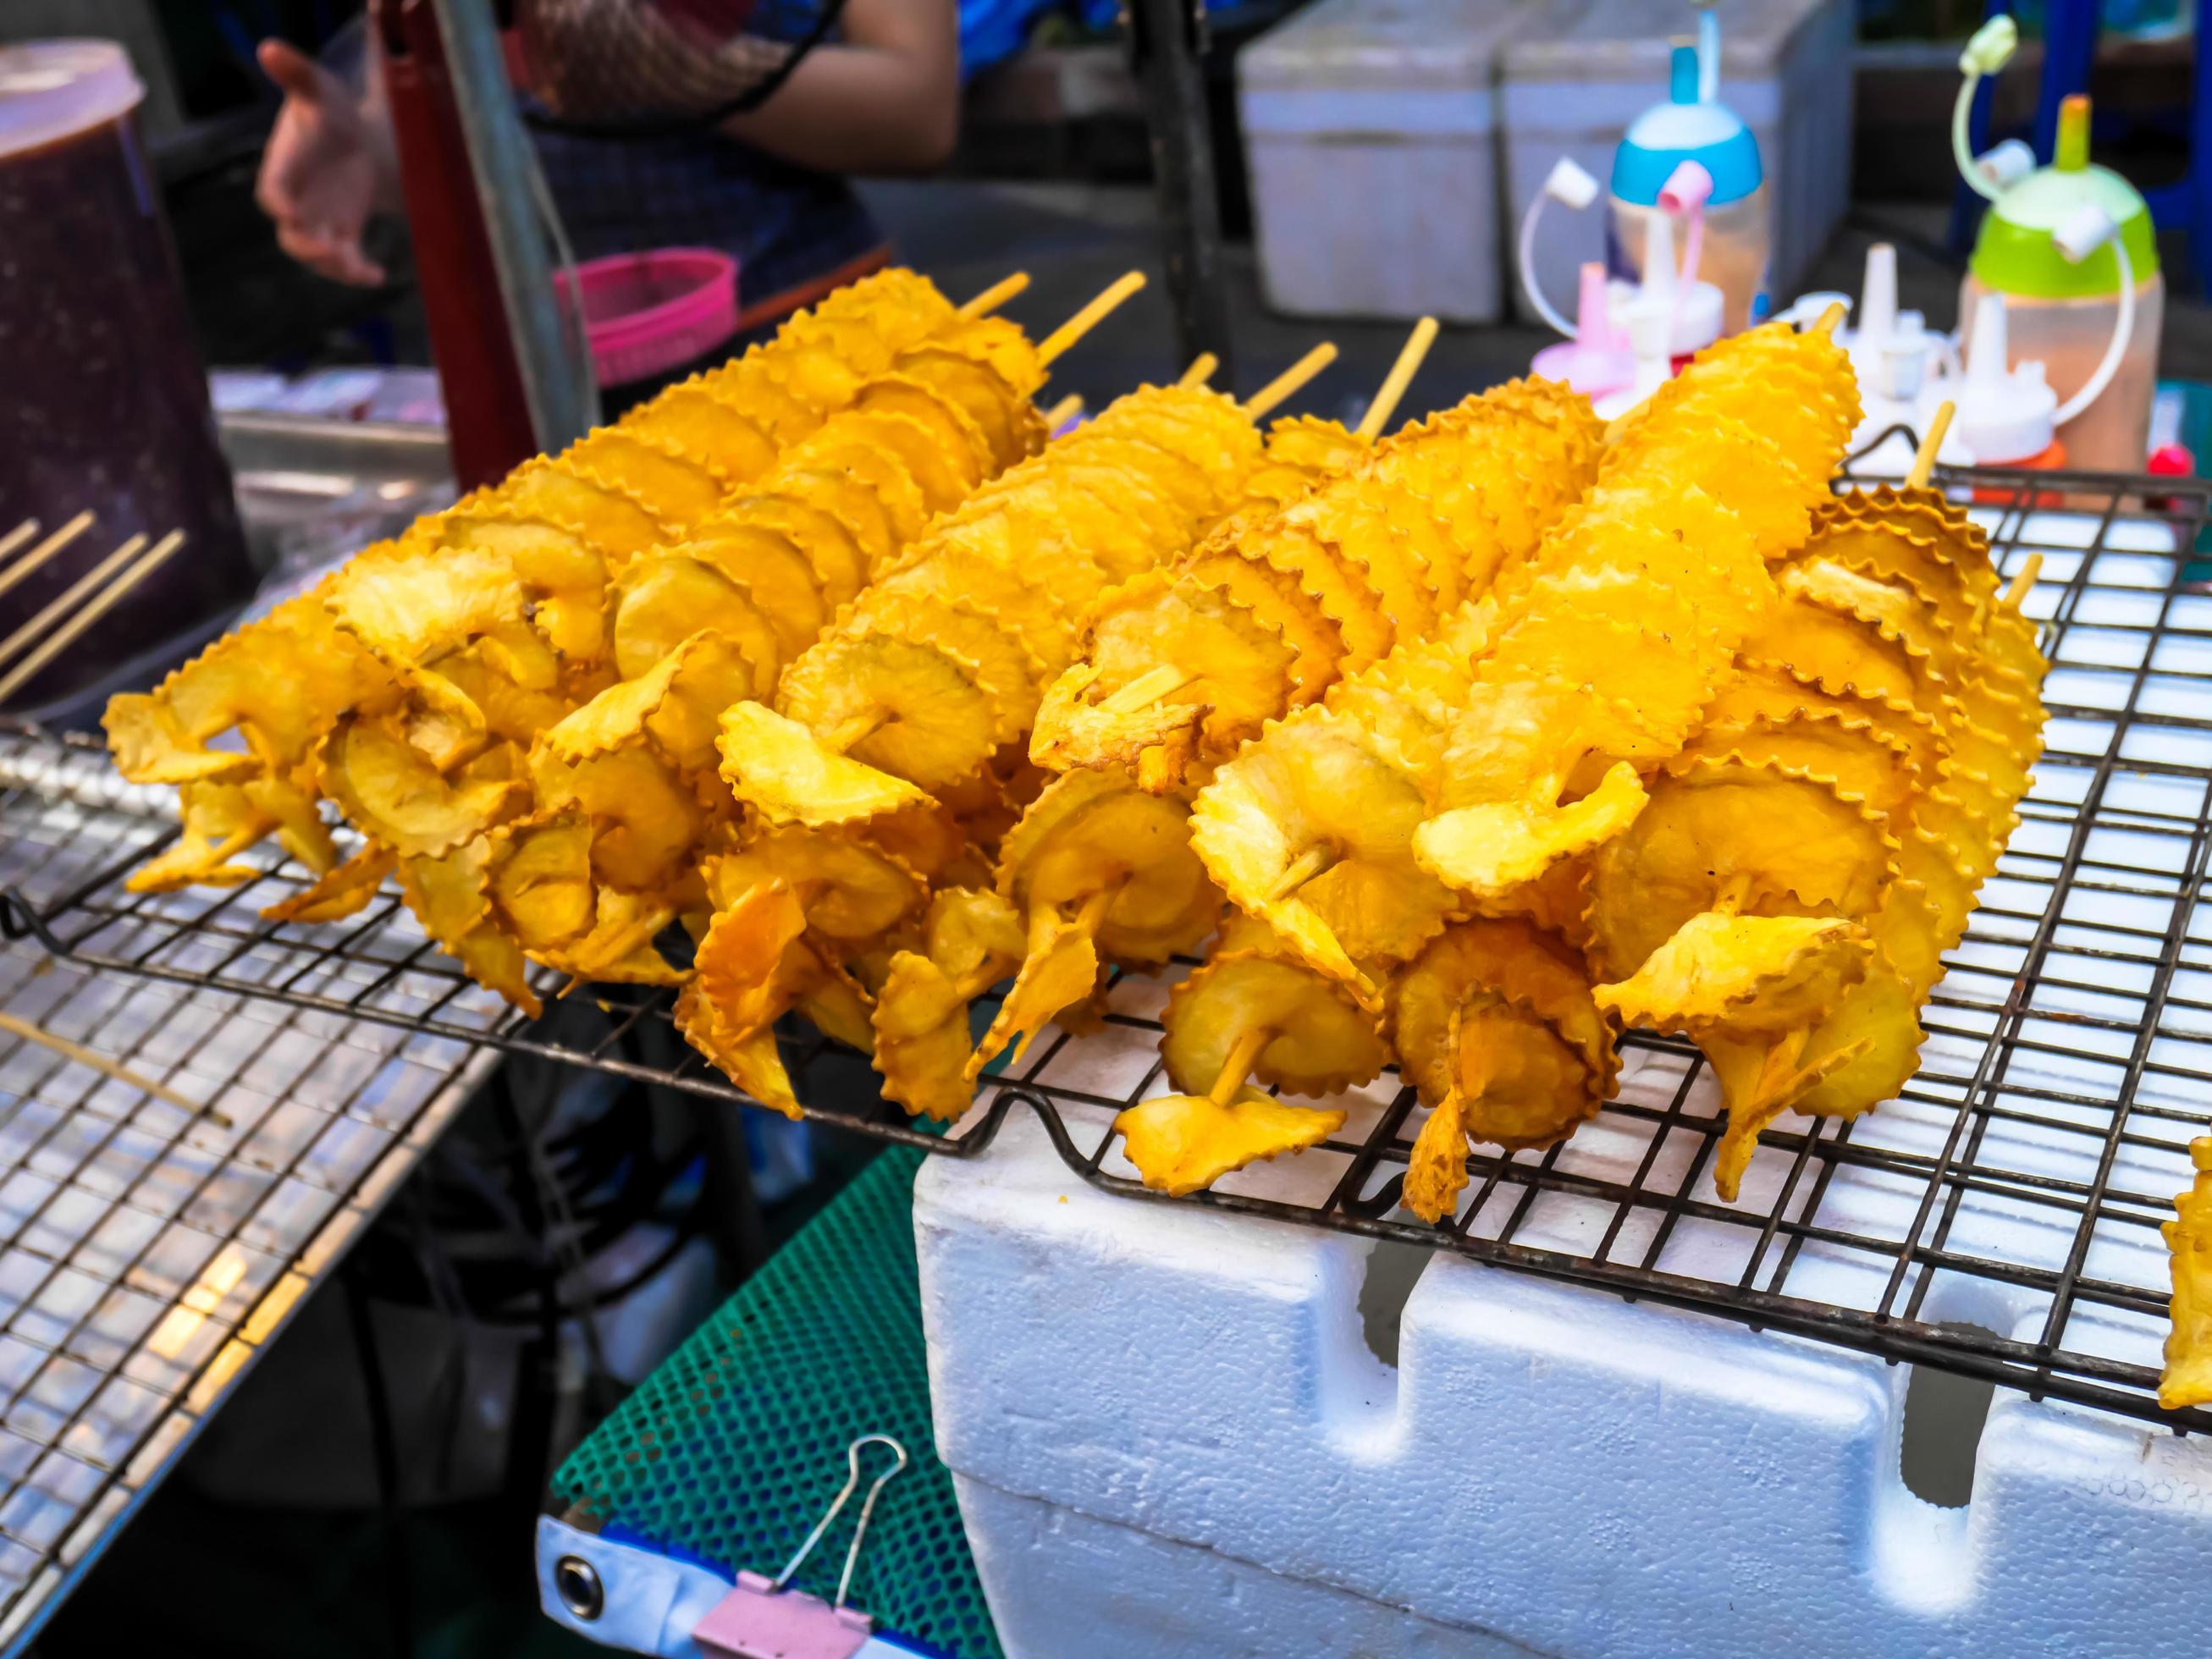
(149, 1253)
(1999, 1219)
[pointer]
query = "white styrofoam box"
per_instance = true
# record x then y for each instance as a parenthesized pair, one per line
(1170, 1436)
(1172, 1433)
(1574, 77)
(1370, 135)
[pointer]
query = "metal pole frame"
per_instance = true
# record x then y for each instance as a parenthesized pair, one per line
(1167, 40)
(501, 163)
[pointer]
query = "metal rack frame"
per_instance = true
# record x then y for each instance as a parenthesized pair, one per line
(149, 1254)
(2090, 956)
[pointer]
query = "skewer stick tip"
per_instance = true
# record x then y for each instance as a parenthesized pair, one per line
(2022, 585)
(1923, 461)
(1055, 344)
(1200, 372)
(1285, 386)
(1387, 396)
(996, 295)
(1828, 320)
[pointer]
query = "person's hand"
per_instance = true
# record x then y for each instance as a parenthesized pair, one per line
(322, 174)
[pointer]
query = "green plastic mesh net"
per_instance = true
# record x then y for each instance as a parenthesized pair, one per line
(730, 1450)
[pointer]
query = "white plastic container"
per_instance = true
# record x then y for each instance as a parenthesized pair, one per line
(1573, 76)
(1369, 135)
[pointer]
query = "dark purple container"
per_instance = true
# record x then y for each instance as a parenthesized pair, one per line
(103, 399)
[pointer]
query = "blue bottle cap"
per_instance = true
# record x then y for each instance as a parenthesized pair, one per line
(1684, 130)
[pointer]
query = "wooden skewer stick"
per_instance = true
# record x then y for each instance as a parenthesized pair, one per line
(1302, 869)
(1055, 344)
(67, 634)
(16, 537)
(1148, 687)
(1264, 402)
(1063, 411)
(1238, 1064)
(1385, 404)
(855, 730)
(21, 639)
(996, 295)
(1827, 321)
(44, 551)
(101, 1063)
(1924, 463)
(1200, 372)
(2015, 595)
(1092, 916)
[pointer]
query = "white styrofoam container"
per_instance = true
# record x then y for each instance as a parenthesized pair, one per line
(1174, 1431)
(1576, 74)
(1369, 136)
(1169, 1436)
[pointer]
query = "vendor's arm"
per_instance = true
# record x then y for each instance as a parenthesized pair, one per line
(885, 98)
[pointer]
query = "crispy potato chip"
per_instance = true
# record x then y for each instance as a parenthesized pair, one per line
(1486, 851)
(751, 1060)
(1181, 1143)
(742, 964)
(392, 793)
(914, 710)
(644, 820)
(973, 939)
(778, 766)
(1792, 844)
(540, 878)
(150, 746)
(618, 947)
(1058, 972)
(2187, 1379)
(664, 599)
(1091, 839)
(220, 821)
(1749, 973)
(694, 421)
(345, 890)
(1436, 1170)
(446, 894)
(1321, 1039)
(678, 490)
(850, 891)
(1319, 794)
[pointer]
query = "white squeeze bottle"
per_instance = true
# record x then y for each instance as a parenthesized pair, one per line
(2071, 249)
(1695, 126)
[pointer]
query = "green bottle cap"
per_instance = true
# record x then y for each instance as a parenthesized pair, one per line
(2016, 254)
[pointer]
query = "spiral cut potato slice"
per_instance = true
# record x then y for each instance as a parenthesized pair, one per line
(2187, 1379)
(1099, 871)
(940, 662)
(1796, 942)
(1496, 1029)
(1356, 565)
(971, 940)
(492, 617)
(345, 890)
(1252, 1012)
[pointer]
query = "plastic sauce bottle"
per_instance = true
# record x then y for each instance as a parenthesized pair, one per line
(1693, 125)
(2067, 312)
(2007, 415)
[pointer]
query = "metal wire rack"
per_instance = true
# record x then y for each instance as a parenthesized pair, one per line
(153, 1243)
(1999, 1219)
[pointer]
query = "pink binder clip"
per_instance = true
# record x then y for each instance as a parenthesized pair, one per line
(762, 1620)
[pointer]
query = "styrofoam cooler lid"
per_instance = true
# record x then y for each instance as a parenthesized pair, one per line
(1617, 41)
(52, 89)
(1382, 45)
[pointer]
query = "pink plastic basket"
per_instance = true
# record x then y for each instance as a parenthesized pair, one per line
(646, 313)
